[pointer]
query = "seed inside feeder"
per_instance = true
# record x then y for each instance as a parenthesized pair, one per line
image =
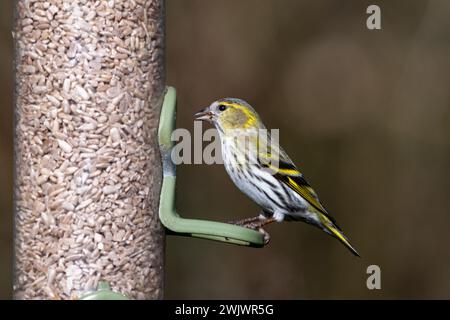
(84, 160)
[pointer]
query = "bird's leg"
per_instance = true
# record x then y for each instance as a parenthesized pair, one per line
(245, 222)
(259, 224)
(256, 223)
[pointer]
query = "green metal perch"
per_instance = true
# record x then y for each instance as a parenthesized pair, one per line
(168, 215)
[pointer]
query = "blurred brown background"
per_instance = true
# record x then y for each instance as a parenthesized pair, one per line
(364, 113)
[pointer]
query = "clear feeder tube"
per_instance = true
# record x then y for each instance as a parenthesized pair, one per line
(89, 83)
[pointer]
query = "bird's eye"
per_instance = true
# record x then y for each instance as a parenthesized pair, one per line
(222, 107)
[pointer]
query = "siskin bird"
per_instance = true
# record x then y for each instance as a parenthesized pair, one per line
(260, 168)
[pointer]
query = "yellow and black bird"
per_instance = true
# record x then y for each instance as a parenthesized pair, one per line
(261, 169)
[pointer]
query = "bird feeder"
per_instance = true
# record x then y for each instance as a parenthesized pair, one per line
(89, 88)
(89, 85)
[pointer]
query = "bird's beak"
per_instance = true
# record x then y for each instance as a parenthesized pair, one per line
(204, 114)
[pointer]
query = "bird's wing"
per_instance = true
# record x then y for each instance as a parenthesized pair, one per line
(292, 178)
(285, 171)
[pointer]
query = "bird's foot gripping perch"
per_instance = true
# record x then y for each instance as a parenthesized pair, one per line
(256, 223)
(265, 234)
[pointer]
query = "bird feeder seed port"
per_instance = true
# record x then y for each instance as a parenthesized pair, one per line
(103, 292)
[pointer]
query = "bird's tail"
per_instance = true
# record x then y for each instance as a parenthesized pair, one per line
(331, 228)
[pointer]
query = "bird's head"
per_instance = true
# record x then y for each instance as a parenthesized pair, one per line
(230, 113)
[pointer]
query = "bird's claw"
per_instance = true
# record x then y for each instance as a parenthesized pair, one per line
(254, 224)
(266, 235)
(257, 227)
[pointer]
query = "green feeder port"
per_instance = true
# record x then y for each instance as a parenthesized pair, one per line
(168, 215)
(103, 292)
